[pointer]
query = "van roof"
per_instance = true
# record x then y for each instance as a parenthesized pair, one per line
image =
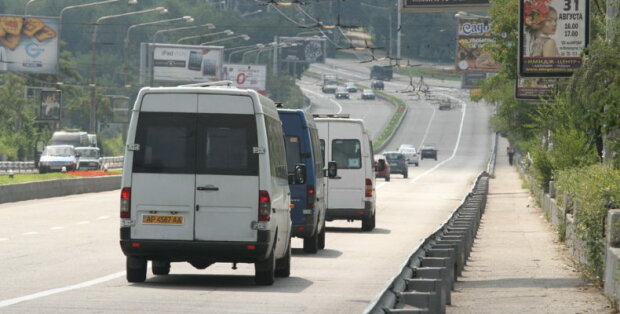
(359, 122)
(262, 104)
(308, 121)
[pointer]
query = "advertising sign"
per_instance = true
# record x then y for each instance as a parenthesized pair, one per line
(248, 76)
(444, 5)
(536, 88)
(51, 103)
(303, 49)
(472, 34)
(471, 80)
(552, 34)
(29, 44)
(186, 63)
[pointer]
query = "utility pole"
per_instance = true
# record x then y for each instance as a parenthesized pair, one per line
(398, 29)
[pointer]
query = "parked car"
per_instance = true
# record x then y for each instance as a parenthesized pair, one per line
(341, 92)
(89, 158)
(377, 84)
(410, 153)
(368, 94)
(350, 195)
(398, 163)
(57, 157)
(205, 181)
(382, 167)
(301, 140)
(428, 151)
(351, 87)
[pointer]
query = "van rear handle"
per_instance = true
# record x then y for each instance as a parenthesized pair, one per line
(208, 188)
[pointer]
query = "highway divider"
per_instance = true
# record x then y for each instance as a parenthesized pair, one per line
(61, 187)
(113, 162)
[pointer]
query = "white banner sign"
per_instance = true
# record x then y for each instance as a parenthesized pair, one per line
(250, 76)
(184, 63)
(29, 44)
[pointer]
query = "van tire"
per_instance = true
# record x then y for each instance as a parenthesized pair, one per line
(283, 265)
(406, 174)
(322, 238)
(368, 224)
(387, 179)
(161, 268)
(311, 244)
(136, 269)
(264, 271)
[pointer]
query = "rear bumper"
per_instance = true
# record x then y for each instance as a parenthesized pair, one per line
(350, 213)
(214, 251)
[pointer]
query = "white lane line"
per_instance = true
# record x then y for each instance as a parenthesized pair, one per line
(102, 217)
(82, 222)
(380, 185)
(46, 293)
(4, 239)
(30, 233)
(428, 128)
(57, 228)
(323, 96)
(456, 145)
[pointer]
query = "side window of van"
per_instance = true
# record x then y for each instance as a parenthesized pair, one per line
(323, 151)
(226, 143)
(167, 143)
(293, 151)
(277, 153)
(347, 153)
(317, 153)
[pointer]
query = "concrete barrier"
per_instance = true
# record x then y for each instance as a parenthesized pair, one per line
(53, 188)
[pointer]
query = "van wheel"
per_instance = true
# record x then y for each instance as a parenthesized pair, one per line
(161, 268)
(264, 271)
(406, 174)
(311, 244)
(136, 269)
(387, 178)
(283, 265)
(368, 224)
(322, 238)
(416, 164)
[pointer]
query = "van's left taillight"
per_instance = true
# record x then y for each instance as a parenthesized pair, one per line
(125, 203)
(264, 206)
(369, 188)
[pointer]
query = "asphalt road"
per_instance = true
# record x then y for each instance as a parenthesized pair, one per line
(61, 255)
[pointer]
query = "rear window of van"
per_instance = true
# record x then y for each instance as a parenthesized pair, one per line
(347, 154)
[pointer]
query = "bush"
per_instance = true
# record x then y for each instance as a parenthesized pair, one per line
(597, 190)
(113, 146)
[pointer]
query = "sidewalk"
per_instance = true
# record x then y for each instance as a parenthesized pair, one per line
(517, 265)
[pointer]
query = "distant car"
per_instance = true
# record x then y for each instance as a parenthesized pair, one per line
(382, 168)
(351, 88)
(368, 94)
(89, 158)
(445, 105)
(57, 157)
(342, 92)
(428, 151)
(377, 84)
(398, 163)
(411, 153)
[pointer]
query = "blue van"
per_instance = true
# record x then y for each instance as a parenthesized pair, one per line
(302, 147)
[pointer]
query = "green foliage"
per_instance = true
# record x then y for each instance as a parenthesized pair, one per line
(596, 188)
(282, 88)
(543, 168)
(114, 146)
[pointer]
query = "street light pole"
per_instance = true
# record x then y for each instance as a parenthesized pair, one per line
(244, 36)
(398, 29)
(27, 4)
(92, 125)
(208, 26)
(227, 32)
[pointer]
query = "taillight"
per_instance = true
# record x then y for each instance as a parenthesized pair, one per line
(264, 206)
(368, 188)
(125, 203)
(311, 193)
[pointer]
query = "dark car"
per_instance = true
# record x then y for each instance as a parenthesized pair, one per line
(428, 151)
(342, 92)
(382, 168)
(368, 94)
(398, 163)
(376, 84)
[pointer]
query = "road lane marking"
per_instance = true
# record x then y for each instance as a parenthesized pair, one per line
(46, 293)
(324, 96)
(428, 128)
(102, 217)
(30, 233)
(57, 228)
(4, 239)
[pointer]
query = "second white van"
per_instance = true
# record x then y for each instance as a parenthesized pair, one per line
(350, 195)
(205, 180)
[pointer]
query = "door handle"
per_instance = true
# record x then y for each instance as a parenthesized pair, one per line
(208, 188)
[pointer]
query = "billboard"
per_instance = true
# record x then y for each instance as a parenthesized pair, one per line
(443, 5)
(29, 44)
(536, 88)
(184, 63)
(248, 76)
(50, 104)
(472, 34)
(552, 34)
(471, 80)
(302, 49)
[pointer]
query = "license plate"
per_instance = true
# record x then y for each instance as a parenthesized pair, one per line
(162, 220)
(393, 164)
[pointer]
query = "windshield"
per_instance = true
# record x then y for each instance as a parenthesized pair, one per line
(88, 153)
(58, 151)
(393, 156)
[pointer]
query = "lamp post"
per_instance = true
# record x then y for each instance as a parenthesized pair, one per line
(227, 32)
(244, 36)
(251, 13)
(208, 26)
(188, 19)
(92, 125)
(27, 4)
(242, 49)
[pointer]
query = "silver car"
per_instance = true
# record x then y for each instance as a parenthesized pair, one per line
(89, 158)
(57, 158)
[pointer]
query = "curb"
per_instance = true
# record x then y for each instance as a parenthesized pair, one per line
(54, 188)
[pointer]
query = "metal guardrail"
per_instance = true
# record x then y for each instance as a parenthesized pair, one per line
(16, 167)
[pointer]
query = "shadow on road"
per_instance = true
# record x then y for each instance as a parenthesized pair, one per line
(223, 282)
(326, 253)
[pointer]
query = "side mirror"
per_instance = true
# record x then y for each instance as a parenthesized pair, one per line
(300, 174)
(381, 166)
(332, 169)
